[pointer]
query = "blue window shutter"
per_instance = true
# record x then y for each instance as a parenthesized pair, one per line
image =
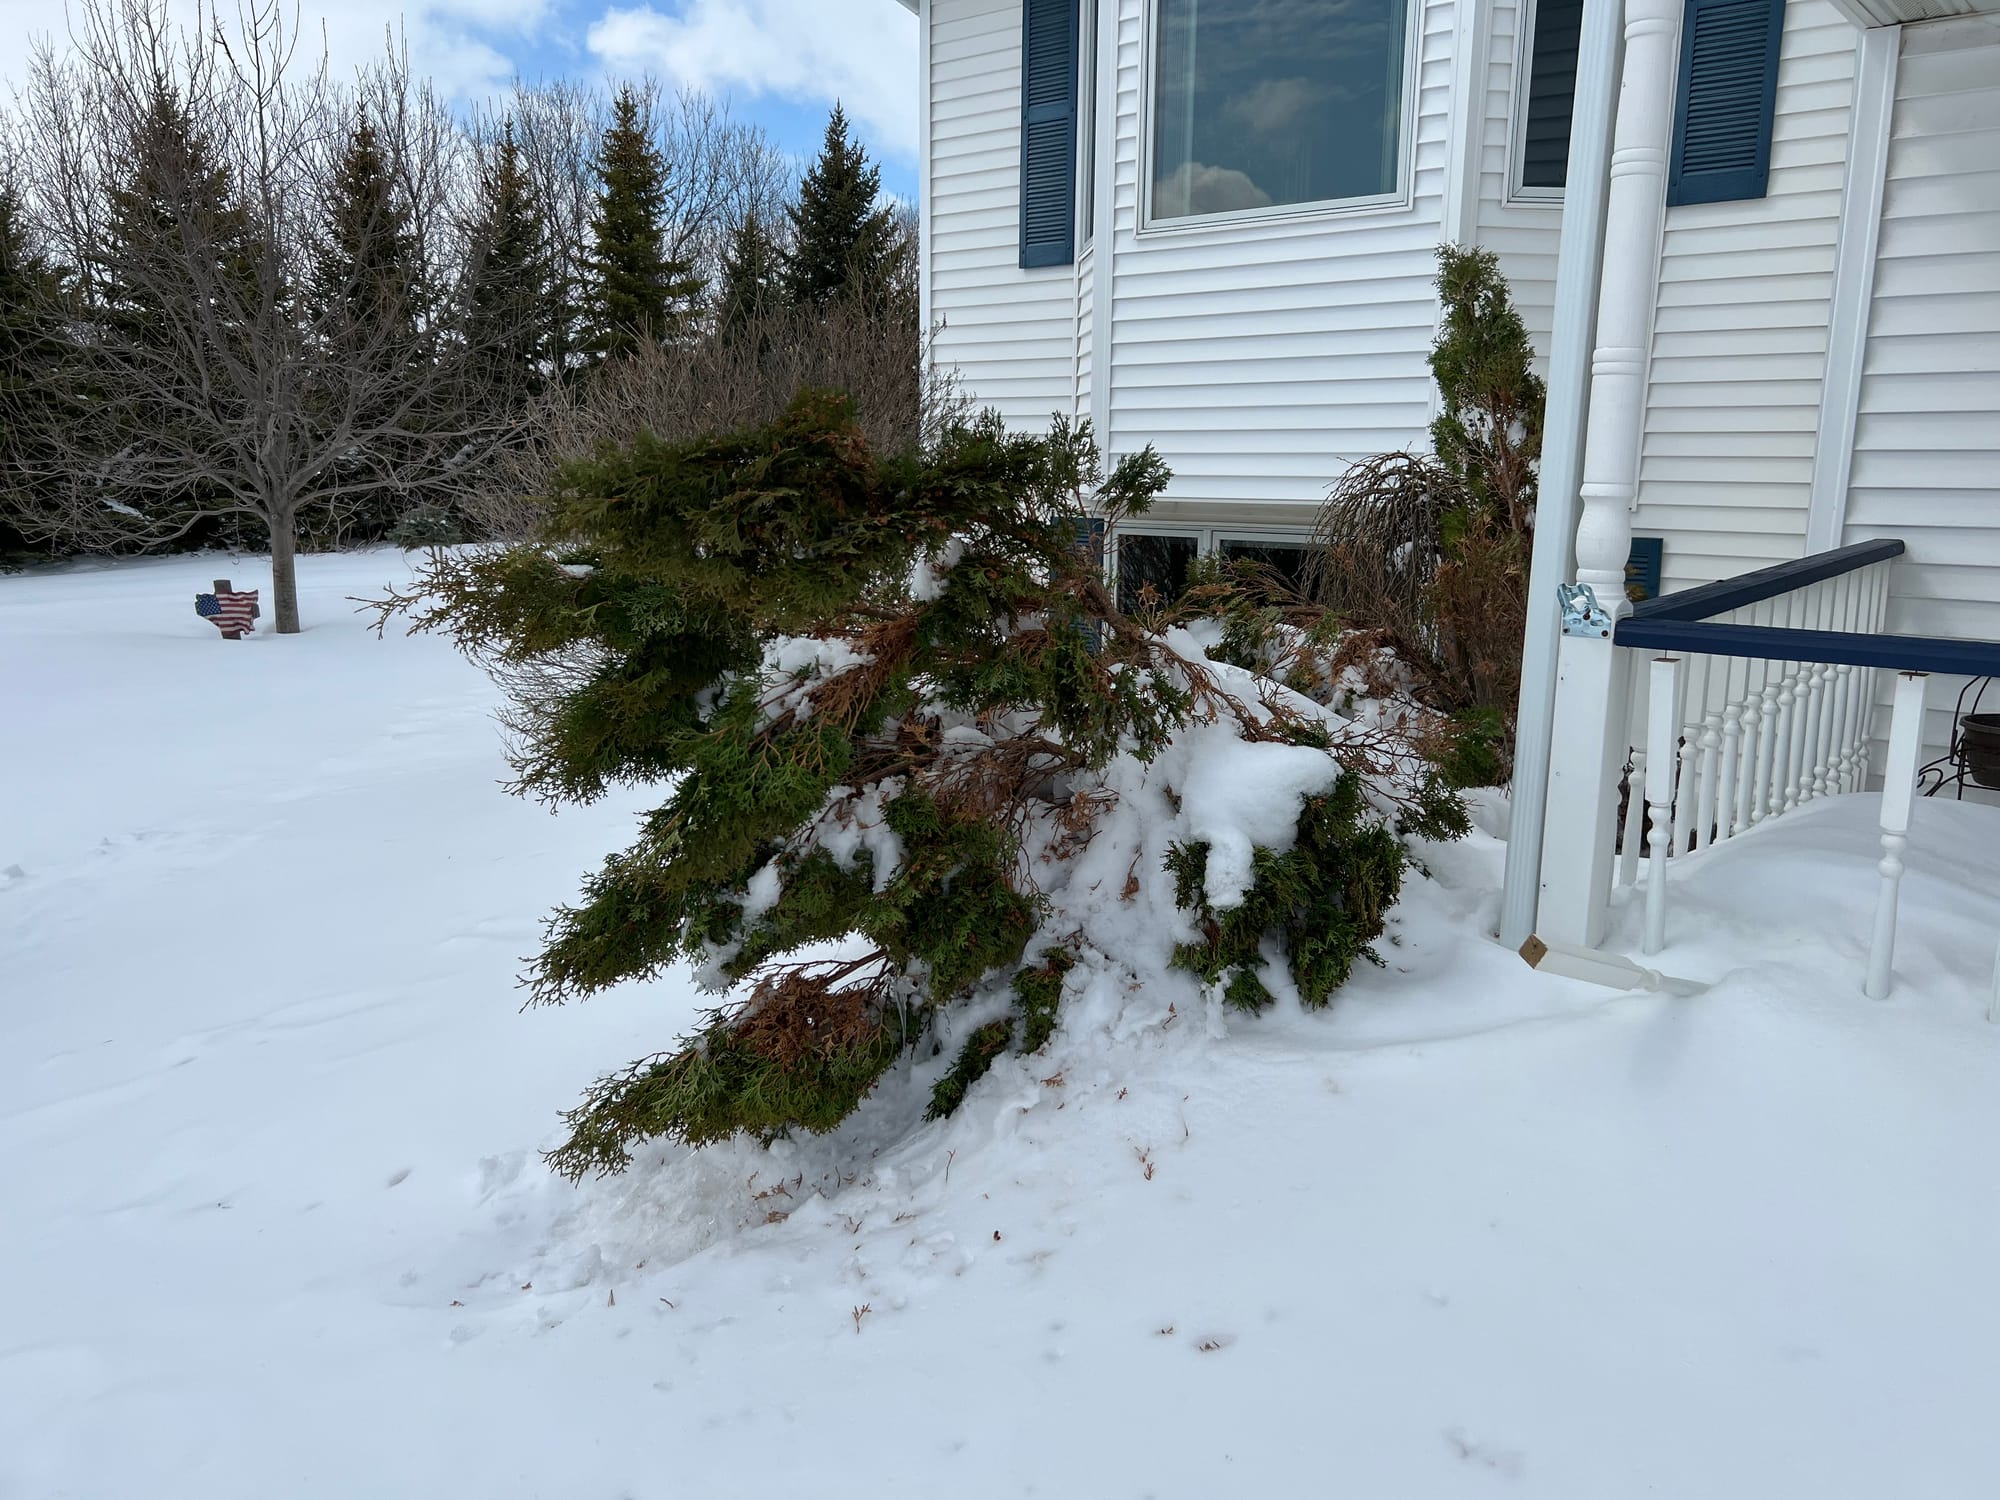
(1551, 93)
(1728, 94)
(1048, 132)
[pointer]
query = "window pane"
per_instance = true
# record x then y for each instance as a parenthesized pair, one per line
(1286, 560)
(1259, 104)
(1551, 92)
(1156, 563)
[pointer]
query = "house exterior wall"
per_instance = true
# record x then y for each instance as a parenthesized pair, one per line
(1926, 465)
(1739, 346)
(1523, 230)
(1927, 433)
(1010, 334)
(1259, 357)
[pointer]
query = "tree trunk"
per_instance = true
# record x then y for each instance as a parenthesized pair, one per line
(285, 574)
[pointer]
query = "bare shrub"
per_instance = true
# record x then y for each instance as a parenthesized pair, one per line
(869, 346)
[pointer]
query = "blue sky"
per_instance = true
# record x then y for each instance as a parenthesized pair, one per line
(778, 62)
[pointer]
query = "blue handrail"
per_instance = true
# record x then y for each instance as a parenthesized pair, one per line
(1713, 599)
(1898, 653)
(1685, 622)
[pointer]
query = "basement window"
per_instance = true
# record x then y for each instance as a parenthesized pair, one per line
(1153, 568)
(1261, 108)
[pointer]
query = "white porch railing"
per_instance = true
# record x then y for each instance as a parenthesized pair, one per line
(1752, 697)
(1746, 738)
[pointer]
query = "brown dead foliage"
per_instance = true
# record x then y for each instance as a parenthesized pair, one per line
(797, 1014)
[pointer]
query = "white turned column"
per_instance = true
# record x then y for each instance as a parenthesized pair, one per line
(1588, 749)
(1899, 785)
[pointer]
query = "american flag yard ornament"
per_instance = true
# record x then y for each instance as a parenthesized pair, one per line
(231, 611)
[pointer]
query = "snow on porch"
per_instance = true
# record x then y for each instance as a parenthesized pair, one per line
(1799, 892)
(271, 1221)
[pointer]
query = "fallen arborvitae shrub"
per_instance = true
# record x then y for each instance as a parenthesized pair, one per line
(916, 766)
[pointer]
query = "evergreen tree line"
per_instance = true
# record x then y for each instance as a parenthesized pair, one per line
(243, 302)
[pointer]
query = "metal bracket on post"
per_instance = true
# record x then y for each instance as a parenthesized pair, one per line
(1582, 616)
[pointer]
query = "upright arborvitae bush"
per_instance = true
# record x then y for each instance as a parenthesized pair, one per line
(1488, 430)
(889, 702)
(1429, 553)
(637, 290)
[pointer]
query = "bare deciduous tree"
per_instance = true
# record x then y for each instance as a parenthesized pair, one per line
(194, 171)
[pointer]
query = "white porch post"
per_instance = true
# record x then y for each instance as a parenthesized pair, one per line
(1588, 751)
(1573, 332)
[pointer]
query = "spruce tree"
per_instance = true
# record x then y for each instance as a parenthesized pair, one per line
(637, 290)
(508, 311)
(365, 299)
(366, 283)
(30, 376)
(840, 238)
(753, 271)
(177, 248)
(176, 190)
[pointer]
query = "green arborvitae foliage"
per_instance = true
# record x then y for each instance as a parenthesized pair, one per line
(879, 695)
(1322, 902)
(31, 291)
(637, 290)
(753, 276)
(975, 1060)
(730, 1078)
(1488, 430)
(508, 312)
(642, 658)
(1039, 991)
(841, 237)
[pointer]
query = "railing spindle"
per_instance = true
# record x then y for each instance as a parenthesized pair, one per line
(1817, 746)
(1899, 784)
(1635, 785)
(1661, 722)
(1687, 770)
(1708, 792)
(1785, 775)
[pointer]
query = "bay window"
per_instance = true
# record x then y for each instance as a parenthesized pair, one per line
(1263, 106)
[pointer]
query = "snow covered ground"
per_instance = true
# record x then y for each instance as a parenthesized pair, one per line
(272, 1221)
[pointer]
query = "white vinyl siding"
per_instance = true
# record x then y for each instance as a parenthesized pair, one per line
(1740, 331)
(1010, 334)
(1524, 233)
(1260, 357)
(1927, 436)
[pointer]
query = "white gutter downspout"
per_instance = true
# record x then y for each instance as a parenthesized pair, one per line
(1579, 268)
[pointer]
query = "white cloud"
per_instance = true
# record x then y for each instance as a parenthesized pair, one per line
(452, 41)
(861, 52)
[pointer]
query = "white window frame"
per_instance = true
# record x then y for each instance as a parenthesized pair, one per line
(1517, 128)
(1401, 198)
